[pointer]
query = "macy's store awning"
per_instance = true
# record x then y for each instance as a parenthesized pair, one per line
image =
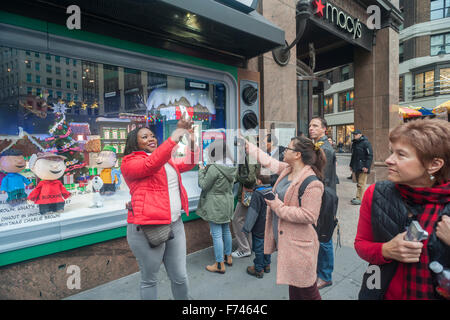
(205, 28)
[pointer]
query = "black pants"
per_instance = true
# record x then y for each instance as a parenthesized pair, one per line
(51, 207)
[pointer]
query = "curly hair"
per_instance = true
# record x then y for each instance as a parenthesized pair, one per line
(132, 143)
(430, 138)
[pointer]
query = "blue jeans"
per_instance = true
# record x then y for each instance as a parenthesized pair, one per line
(261, 260)
(325, 261)
(221, 236)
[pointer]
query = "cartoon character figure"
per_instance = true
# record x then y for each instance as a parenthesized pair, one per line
(97, 201)
(12, 162)
(50, 193)
(111, 177)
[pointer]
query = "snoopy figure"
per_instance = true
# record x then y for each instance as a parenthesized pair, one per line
(97, 184)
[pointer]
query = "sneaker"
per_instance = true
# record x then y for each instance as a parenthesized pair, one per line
(240, 254)
(251, 271)
(356, 202)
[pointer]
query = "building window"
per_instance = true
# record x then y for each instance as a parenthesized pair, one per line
(57, 70)
(58, 94)
(75, 86)
(67, 61)
(440, 42)
(58, 83)
(444, 80)
(57, 59)
(345, 73)
(28, 77)
(346, 101)
(74, 74)
(50, 93)
(67, 73)
(28, 64)
(401, 89)
(401, 56)
(423, 84)
(328, 105)
(68, 84)
(29, 90)
(37, 66)
(38, 79)
(49, 81)
(48, 57)
(439, 9)
(48, 68)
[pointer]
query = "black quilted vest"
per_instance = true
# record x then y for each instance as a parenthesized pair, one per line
(389, 218)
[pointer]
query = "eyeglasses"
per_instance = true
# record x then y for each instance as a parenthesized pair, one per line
(292, 149)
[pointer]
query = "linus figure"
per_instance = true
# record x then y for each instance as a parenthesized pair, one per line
(111, 177)
(50, 193)
(13, 183)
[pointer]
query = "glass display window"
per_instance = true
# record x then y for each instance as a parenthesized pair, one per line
(83, 122)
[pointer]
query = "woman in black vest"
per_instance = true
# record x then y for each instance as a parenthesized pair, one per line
(418, 188)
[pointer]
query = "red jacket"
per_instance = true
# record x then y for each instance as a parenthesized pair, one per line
(147, 179)
(49, 191)
(370, 251)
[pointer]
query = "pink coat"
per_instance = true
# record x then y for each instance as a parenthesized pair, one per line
(298, 245)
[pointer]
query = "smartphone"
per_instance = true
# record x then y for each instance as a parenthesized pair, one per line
(269, 195)
(415, 232)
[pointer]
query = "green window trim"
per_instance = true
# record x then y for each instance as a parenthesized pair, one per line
(41, 250)
(51, 28)
(45, 249)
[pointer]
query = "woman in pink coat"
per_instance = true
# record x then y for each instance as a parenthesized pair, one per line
(289, 228)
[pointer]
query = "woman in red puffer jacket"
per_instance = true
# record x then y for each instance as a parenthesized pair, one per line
(157, 197)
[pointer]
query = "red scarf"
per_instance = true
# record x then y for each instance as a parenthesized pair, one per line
(432, 201)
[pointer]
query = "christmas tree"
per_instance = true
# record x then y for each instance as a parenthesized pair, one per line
(60, 142)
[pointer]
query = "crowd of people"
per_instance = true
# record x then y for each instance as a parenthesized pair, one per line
(276, 213)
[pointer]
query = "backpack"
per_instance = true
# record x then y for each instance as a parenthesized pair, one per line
(327, 221)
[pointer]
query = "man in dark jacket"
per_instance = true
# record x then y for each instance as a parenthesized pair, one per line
(325, 261)
(360, 163)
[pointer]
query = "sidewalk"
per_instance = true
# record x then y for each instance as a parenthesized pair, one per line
(235, 284)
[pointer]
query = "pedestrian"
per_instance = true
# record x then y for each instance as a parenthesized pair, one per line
(157, 197)
(255, 222)
(275, 151)
(417, 189)
(216, 203)
(246, 177)
(360, 163)
(325, 265)
(289, 226)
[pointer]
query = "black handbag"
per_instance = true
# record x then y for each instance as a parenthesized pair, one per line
(157, 234)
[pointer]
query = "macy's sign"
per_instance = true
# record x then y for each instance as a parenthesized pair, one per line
(342, 19)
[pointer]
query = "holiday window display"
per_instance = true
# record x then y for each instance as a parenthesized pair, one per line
(106, 160)
(49, 194)
(13, 183)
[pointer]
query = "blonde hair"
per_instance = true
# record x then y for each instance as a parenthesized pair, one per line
(430, 138)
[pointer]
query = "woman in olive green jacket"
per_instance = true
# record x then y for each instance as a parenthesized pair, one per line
(216, 204)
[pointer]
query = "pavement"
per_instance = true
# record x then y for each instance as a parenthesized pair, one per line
(236, 284)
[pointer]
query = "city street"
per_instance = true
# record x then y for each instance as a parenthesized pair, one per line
(236, 284)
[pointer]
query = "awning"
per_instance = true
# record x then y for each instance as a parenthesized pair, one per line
(203, 28)
(408, 112)
(445, 105)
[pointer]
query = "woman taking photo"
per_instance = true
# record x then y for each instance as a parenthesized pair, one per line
(157, 197)
(289, 227)
(417, 189)
(216, 202)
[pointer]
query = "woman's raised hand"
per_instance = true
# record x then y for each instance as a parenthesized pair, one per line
(185, 122)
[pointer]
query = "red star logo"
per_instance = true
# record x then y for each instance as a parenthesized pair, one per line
(320, 6)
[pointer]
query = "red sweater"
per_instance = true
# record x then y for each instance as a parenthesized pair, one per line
(371, 251)
(49, 191)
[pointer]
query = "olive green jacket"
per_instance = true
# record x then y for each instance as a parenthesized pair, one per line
(216, 202)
